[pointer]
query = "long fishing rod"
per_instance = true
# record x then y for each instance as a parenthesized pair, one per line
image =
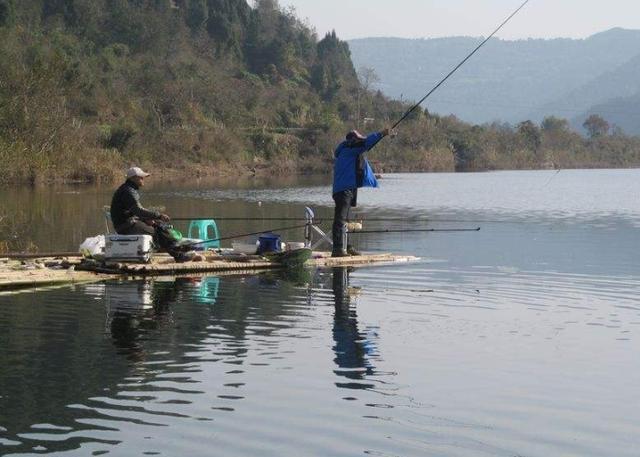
(442, 81)
(241, 219)
(426, 220)
(320, 220)
(242, 235)
(477, 229)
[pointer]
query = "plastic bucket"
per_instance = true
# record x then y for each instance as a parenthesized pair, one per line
(244, 247)
(293, 245)
(268, 242)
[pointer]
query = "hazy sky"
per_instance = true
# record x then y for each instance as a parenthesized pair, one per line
(436, 18)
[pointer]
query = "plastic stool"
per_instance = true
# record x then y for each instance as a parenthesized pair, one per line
(205, 230)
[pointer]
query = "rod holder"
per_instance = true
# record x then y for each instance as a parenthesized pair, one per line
(309, 216)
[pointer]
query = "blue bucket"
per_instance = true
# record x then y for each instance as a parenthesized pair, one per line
(268, 242)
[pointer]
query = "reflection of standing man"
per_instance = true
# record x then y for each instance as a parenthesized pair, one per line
(350, 345)
(350, 171)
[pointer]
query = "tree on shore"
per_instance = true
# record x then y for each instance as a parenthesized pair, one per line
(596, 126)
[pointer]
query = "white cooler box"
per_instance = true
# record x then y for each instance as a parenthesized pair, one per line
(132, 248)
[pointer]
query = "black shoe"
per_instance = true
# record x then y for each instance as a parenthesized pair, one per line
(341, 253)
(352, 251)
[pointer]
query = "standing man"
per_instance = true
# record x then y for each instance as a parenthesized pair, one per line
(131, 218)
(350, 171)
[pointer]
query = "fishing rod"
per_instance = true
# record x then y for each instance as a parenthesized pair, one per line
(442, 81)
(410, 220)
(477, 229)
(318, 221)
(321, 220)
(240, 219)
(242, 235)
(293, 227)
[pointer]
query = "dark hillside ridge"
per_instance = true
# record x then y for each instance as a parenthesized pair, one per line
(183, 83)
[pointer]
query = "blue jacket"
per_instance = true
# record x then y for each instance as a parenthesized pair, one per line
(350, 169)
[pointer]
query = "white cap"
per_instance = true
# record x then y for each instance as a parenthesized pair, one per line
(136, 171)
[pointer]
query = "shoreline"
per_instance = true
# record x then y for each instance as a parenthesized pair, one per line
(214, 172)
(233, 173)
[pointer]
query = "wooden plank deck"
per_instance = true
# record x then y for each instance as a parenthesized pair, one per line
(164, 265)
(359, 260)
(13, 280)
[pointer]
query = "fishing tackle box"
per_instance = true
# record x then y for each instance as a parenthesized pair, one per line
(128, 248)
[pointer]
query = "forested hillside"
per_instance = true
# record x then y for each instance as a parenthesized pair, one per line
(89, 87)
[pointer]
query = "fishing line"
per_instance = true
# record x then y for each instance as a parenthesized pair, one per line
(442, 81)
(551, 178)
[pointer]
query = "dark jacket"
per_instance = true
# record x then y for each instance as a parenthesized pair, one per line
(126, 207)
(351, 170)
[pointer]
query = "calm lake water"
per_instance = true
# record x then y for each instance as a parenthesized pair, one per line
(521, 339)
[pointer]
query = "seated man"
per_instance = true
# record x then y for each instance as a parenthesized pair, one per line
(131, 218)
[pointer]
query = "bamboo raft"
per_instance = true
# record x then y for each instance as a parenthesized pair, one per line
(49, 271)
(163, 264)
(13, 280)
(43, 270)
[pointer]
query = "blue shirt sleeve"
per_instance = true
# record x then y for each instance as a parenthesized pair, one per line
(372, 140)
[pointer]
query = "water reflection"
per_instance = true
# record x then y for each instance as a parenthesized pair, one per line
(262, 364)
(176, 366)
(353, 348)
(136, 308)
(61, 387)
(97, 365)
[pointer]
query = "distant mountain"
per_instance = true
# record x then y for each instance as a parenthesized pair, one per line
(623, 112)
(615, 95)
(506, 80)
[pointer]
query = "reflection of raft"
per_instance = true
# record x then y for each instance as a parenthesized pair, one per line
(46, 272)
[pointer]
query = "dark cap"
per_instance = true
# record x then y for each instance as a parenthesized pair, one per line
(355, 135)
